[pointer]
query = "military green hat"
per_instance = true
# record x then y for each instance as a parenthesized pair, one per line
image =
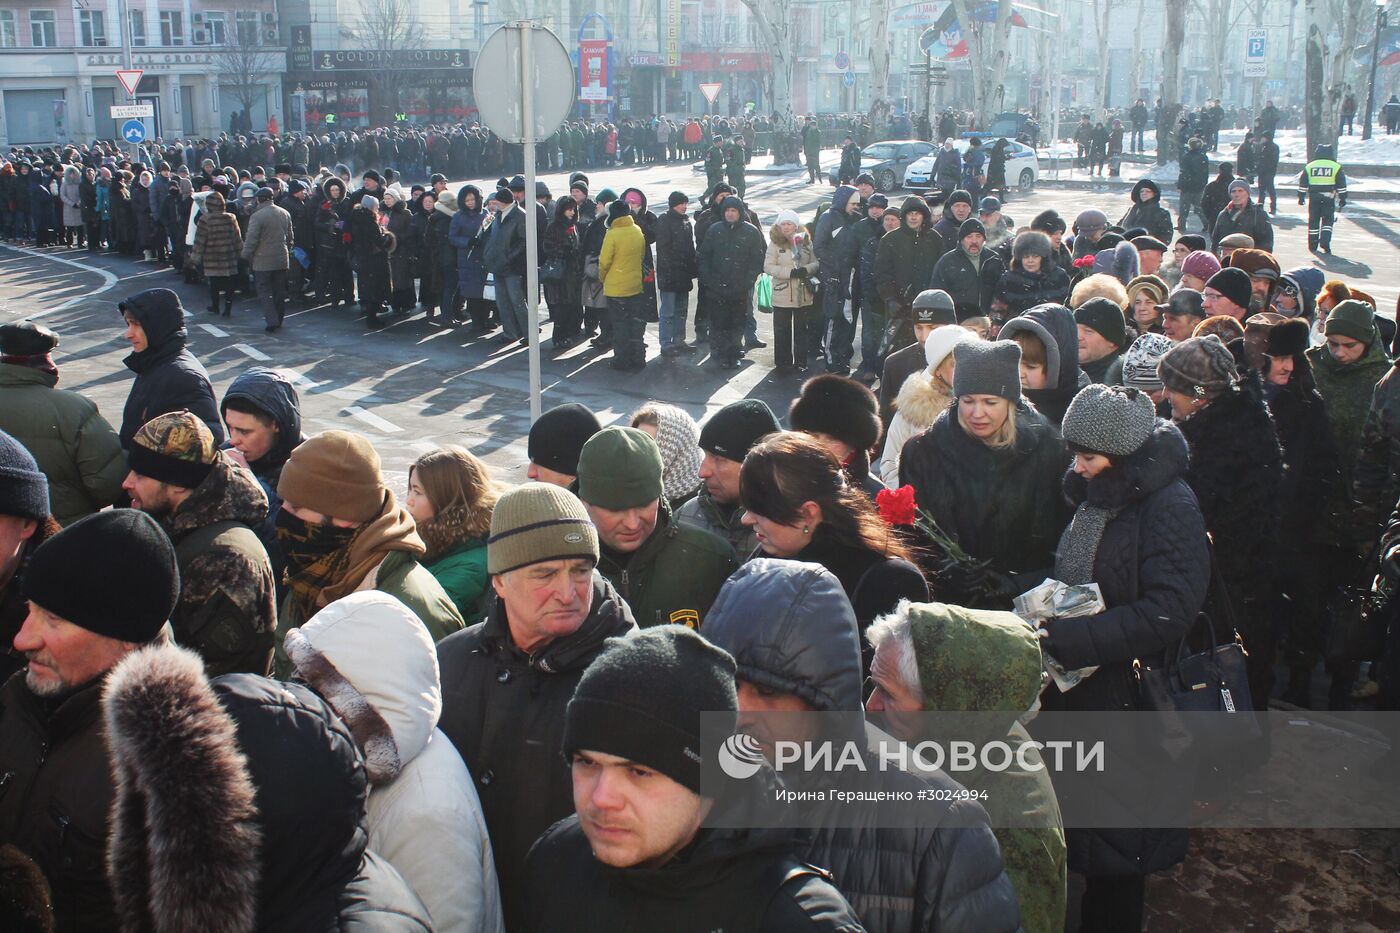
(620, 468)
(1352, 318)
(974, 660)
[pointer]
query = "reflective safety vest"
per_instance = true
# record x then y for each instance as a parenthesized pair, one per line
(1323, 172)
(330, 119)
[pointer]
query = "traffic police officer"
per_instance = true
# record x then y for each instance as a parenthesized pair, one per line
(1323, 185)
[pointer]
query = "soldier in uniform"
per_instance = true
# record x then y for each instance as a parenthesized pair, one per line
(1323, 185)
(736, 157)
(714, 164)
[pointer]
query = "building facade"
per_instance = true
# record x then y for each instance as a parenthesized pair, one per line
(203, 61)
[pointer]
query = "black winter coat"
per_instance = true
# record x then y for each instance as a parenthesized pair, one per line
(1310, 467)
(905, 261)
(1215, 196)
(1252, 221)
(1237, 473)
(1151, 216)
(371, 245)
(168, 377)
(504, 712)
(1000, 505)
(1020, 290)
(735, 880)
(730, 259)
(1195, 171)
(402, 259)
(1153, 567)
(971, 287)
(561, 242)
(676, 267)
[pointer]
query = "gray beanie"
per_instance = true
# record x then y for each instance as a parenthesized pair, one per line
(988, 368)
(1111, 420)
(934, 306)
(1199, 366)
(1140, 362)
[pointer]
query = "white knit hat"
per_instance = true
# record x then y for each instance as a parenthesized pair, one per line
(786, 216)
(941, 342)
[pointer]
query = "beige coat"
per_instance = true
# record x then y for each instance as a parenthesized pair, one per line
(780, 259)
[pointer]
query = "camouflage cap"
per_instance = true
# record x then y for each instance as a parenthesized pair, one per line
(175, 448)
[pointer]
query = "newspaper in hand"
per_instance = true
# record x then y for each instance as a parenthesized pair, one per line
(1056, 600)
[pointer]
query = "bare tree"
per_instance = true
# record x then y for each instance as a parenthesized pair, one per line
(1330, 63)
(387, 28)
(1103, 11)
(1221, 20)
(774, 19)
(988, 48)
(1167, 144)
(246, 67)
(879, 32)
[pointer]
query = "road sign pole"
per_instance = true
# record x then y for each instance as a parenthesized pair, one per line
(532, 272)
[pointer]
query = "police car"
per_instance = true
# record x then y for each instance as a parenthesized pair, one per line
(1022, 165)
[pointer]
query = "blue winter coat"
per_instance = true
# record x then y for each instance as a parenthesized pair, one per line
(462, 237)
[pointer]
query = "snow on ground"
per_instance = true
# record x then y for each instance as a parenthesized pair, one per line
(1380, 149)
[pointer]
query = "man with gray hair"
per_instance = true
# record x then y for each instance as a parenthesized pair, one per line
(934, 656)
(506, 681)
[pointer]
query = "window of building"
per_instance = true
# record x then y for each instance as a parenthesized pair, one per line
(92, 27)
(216, 28)
(138, 27)
(731, 30)
(9, 37)
(172, 27)
(43, 31)
(247, 25)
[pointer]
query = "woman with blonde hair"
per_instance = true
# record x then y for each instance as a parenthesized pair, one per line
(451, 496)
(1145, 293)
(988, 474)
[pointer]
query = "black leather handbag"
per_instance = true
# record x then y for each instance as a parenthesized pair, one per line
(1187, 687)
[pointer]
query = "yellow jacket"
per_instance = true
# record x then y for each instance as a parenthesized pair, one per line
(620, 262)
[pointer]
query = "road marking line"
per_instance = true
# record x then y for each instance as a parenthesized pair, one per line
(213, 331)
(373, 420)
(251, 351)
(108, 279)
(301, 379)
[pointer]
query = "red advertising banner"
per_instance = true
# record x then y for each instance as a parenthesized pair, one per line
(593, 70)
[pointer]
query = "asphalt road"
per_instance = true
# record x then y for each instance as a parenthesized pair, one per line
(414, 385)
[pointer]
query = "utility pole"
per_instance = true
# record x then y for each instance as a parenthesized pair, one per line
(1375, 56)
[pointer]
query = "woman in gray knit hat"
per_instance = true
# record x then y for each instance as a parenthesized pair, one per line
(988, 472)
(1138, 533)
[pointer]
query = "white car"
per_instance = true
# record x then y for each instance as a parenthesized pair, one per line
(1022, 166)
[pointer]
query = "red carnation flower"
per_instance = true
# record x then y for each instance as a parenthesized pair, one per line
(897, 505)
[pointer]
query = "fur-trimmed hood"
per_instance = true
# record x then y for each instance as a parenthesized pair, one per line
(921, 399)
(373, 661)
(228, 493)
(185, 843)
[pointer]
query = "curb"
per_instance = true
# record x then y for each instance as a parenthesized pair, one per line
(1355, 194)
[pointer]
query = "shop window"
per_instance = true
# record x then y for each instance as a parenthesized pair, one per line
(92, 27)
(172, 27)
(138, 28)
(43, 31)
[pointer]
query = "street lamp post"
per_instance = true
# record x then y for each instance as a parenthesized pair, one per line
(1375, 60)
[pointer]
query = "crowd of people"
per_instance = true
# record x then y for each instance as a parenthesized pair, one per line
(249, 688)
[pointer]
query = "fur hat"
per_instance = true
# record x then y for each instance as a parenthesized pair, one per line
(1290, 337)
(1256, 262)
(1049, 221)
(1032, 243)
(1224, 326)
(838, 406)
(1099, 286)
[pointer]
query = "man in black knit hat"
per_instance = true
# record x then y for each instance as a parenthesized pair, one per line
(555, 441)
(24, 524)
(97, 591)
(725, 440)
(632, 736)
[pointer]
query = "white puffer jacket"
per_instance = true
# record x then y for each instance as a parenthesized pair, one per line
(374, 662)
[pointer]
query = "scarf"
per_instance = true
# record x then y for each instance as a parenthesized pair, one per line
(40, 361)
(1079, 544)
(317, 555)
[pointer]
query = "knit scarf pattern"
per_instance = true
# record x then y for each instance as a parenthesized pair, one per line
(1079, 544)
(306, 586)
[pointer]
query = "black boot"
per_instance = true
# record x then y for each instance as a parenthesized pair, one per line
(228, 308)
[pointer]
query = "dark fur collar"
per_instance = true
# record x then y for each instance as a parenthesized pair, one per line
(1155, 465)
(184, 849)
